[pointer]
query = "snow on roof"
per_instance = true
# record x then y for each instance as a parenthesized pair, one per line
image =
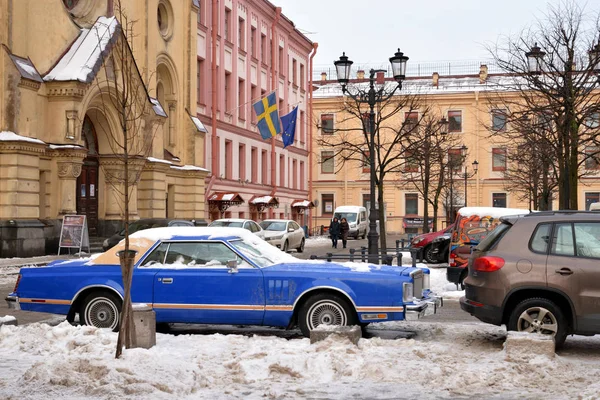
(7, 136)
(158, 160)
(85, 56)
(188, 168)
(65, 146)
(262, 199)
(199, 125)
(26, 68)
(157, 107)
(303, 203)
(495, 212)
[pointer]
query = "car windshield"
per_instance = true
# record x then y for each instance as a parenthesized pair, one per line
(136, 226)
(350, 216)
(231, 224)
(273, 225)
(252, 253)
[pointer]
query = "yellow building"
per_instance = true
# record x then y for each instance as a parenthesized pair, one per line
(467, 101)
(60, 128)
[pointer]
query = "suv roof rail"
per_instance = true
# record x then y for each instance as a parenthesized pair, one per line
(560, 212)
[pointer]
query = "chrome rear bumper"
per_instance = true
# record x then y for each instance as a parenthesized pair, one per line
(13, 302)
(423, 308)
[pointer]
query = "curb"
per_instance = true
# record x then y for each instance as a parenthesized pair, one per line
(8, 320)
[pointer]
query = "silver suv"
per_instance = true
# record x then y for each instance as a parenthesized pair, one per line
(538, 273)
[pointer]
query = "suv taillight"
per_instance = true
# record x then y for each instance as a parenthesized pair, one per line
(451, 260)
(488, 264)
(17, 284)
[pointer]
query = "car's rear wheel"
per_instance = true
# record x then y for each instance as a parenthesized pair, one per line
(285, 246)
(364, 235)
(301, 248)
(538, 315)
(461, 280)
(325, 309)
(102, 310)
(428, 254)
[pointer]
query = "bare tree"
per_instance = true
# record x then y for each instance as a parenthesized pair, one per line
(350, 142)
(428, 167)
(123, 91)
(552, 75)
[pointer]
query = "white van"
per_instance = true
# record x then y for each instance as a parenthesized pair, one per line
(356, 217)
(595, 207)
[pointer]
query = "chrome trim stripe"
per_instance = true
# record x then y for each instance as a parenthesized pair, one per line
(346, 295)
(115, 291)
(279, 308)
(45, 301)
(225, 307)
(380, 309)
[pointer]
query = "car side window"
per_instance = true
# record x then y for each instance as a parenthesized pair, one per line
(587, 239)
(541, 238)
(294, 226)
(255, 227)
(200, 254)
(562, 240)
(248, 226)
(157, 257)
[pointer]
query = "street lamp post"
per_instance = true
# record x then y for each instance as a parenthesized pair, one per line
(466, 174)
(372, 97)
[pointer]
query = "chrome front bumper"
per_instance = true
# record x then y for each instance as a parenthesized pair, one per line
(423, 308)
(13, 302)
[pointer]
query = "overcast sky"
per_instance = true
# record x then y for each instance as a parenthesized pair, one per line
(425, 30)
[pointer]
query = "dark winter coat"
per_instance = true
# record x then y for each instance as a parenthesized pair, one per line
(344, 229)
(334, 229)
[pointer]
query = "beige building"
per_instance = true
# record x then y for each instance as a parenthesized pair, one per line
(60, 128)
(467, 102)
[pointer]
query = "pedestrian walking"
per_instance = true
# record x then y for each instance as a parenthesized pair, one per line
(344, 229)
(334, 231)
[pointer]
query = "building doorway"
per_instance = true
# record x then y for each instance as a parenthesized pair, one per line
(87, 182)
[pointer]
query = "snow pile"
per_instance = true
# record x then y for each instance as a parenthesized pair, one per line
(444, 361)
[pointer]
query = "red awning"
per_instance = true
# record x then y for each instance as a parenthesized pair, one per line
(302, 204)
(230, 197)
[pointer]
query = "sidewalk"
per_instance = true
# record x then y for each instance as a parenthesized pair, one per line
(41, 260)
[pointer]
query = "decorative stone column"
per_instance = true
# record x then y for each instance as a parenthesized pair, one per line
(114, 175)
(68, 172)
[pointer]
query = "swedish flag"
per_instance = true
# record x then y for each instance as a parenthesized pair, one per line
(268, 116)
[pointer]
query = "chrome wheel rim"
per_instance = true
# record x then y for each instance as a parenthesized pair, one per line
(537, 320)
(102, 313)
(326, 312)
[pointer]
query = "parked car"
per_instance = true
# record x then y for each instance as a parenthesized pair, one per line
(224, 276)
(424, 241)
(247, 224)
(284, 234)
(538, 273)
(357, 219)
(141, 224)
(472, 225)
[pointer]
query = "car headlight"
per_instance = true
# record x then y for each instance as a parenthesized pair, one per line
(352, 225)
(105, 243)
(426, 281)
(407, 292)
(417, 240)
(277, 237)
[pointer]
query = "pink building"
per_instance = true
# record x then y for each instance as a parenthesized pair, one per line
(246, 49)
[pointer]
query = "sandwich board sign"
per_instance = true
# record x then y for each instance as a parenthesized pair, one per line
(74, 233)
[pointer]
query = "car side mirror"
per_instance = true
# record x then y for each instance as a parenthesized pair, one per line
(232, 266)
(290, 229)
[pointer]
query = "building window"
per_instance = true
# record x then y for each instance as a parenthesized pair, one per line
(294, 174)
(499, 118)
(455, 159)
(254, 99)
(264, 165)
(327, 162)
(242, 99)
(242, 34)
(254, 165)
(455, 121)
(327, 124)
(281, 65)
(201, 84)
(228, 159)
(302, 126)
(411, 120)
(366, 162)
(499, 159)
(227, 90)
(302, 86)
(200, 12)
(227, 27)
(411, 201)
(592, 158)
(411, 164)
(282, 170)
(242, 164)
(498, 199)
(593, 120)
(263, 48)
(253, 41)
(301, 175)
(294, 72)
(366, 122)
(591, 197)
(326, 204)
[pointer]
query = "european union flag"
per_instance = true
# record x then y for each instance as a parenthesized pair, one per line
(289, 127)
(268, 116)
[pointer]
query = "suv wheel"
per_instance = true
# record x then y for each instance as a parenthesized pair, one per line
(538, 315)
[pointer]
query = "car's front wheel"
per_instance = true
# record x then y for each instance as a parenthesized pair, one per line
(325, 309)
(428, 255)
(538, 315)
(300, 249)
(102, 310)
(285, 246)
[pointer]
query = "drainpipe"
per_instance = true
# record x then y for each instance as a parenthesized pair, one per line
(310, 128)
(477, 150)
(214, 166)
(274, 87)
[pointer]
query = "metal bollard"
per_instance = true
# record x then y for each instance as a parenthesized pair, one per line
(421, 251)
(352, 255)
(329, 255)
(413, 253)
(397, 245)
(363, 253)
(399, 258)
(387, 259)
(313, 256)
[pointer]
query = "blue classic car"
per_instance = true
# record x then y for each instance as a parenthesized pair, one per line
(224, 276)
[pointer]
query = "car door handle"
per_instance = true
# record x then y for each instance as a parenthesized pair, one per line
(167, 280)
(564, 271)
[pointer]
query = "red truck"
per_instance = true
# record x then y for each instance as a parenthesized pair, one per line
(424, 242)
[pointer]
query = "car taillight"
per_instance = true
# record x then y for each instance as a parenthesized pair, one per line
(17, 284)
(488, 264)
(451, 260)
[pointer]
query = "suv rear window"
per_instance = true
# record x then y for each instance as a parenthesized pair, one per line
(494, 237)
